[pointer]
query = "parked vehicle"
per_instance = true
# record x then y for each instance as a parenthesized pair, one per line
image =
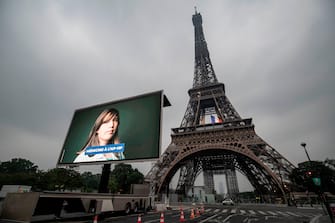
(63, 204)
(228, 201)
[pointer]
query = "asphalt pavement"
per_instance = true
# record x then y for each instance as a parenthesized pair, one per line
(218, 213)
(321, 219)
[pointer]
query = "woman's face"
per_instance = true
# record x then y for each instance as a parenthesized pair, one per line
(107, 130)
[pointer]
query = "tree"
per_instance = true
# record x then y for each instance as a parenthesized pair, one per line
(302, 177)
(122, 177)
(113, 184)
(18, 171)
(61, 179)
(90, 182)
(23, 172)
(18, 165)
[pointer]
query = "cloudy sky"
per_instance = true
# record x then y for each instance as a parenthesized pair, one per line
(276, 59)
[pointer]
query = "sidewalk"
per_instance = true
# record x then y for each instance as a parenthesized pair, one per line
(321, 219)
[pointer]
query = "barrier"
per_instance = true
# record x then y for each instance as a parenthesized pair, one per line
(139, 219)
(192, 214)
(198, 212)
(95, 219)
(182, 217)
(202, 209)
(161, 220)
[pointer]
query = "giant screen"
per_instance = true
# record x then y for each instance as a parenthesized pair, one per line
(127, 129)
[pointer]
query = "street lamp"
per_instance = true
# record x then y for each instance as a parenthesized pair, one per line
(321, 195)
(304, 145)
(309, 168)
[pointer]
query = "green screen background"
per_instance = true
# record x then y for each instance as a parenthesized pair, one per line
(139, 127)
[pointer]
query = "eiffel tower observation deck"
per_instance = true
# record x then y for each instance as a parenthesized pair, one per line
(213, 139)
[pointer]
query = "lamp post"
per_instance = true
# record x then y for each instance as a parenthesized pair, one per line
(321, 194)
(309, 167)
(304, 145)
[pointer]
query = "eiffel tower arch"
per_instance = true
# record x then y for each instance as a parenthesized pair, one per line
(214, 139)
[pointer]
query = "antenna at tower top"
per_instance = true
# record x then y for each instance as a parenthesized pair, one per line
(195, 9)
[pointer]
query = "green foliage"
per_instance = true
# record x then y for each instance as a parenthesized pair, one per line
(23, 172)
(62, 179)
(18, 165)
(18, 171)
(302, 177)
(122, 177)
(90, 182)
(113, 184)
(18, 179)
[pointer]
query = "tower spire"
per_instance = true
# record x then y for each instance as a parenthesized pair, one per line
(204, 74)
(208, 102)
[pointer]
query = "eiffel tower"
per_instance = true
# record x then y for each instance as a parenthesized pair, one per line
(214, 139)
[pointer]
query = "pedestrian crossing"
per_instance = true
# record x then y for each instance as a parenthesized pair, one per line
(242, 211)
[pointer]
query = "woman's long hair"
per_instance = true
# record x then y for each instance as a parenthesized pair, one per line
(104, 117)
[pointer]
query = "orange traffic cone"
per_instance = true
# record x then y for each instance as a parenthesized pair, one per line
(182, 217)
(202, 209)
(139, 219)
(161, 220)
(95, 219)
(192, 214)
(198, 212)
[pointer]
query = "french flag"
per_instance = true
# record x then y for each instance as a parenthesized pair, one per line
(215, 119)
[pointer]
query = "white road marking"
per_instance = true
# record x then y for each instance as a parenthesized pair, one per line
(282, 213)
(205, 220)
(262, 212)
(243, 211)
(252, 212)
(227, 218)
(293, 214)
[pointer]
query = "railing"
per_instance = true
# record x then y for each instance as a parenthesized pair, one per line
(224, 125)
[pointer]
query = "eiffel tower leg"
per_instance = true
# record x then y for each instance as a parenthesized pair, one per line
(188, 173)
(232, 185)
(181, 187)
(209, 182)
(167, 197)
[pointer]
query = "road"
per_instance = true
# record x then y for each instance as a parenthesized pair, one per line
(224, 214)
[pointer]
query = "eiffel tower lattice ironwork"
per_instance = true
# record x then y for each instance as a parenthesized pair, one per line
(214, 139)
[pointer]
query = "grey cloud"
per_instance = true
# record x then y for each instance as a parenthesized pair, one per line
(275, 58)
